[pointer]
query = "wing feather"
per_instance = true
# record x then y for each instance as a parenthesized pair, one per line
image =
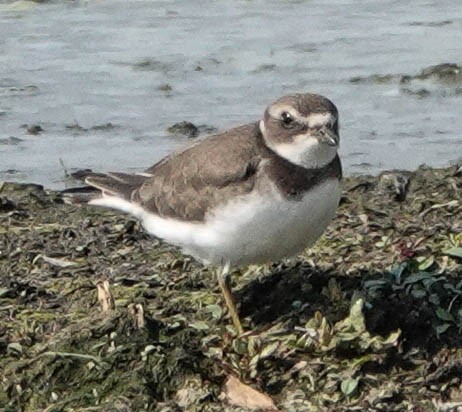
(187, 184)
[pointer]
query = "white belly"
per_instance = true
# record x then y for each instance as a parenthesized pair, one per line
(252, 229)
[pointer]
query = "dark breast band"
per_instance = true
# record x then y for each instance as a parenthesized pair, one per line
(293, 180)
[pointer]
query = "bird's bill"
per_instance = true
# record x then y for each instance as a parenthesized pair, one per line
(329, 137)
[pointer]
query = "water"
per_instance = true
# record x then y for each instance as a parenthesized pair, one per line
(98, 62)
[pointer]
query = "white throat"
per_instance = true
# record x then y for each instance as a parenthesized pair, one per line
(305, 151)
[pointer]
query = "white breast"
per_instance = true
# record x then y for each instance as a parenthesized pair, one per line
(253, 229)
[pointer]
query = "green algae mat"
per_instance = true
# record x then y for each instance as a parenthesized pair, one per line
(97, 316)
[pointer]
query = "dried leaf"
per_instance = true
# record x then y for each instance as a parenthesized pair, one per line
(62, 263)
(239, 394)
(417, 277)
(454, 252)
(199, 325)
(216, 311)
(269, 350)
(444, 315)
(14, 348)
(105, 297)
(352, 332)
(349, 385)
(425, 263)
(440, 329)
(192, 394)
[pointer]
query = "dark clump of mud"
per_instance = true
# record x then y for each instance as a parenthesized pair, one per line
(189, 129)
(97, 316)
(443, 79)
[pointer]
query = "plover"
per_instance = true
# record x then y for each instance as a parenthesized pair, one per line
(253, 194)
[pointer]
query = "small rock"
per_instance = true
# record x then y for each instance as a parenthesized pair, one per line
(34, 129)
(166, 88)
(99, 127)
(442, 79)
(207, 129)
(6, 205)
(10, 141)
(105, 126)
(152, 65)
(431, 23)
(190, 130)
(209, 63)
(75, 126)
(374, 78)
(81, 174)
(395, 183)
(445, 73)
(265, 68)
(19, 91)
(11, 171)
(184, 128)
(419, 92)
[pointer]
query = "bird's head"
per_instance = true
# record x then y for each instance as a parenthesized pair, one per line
(302, 128)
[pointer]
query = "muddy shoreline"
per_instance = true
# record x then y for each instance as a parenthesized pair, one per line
(95, 315)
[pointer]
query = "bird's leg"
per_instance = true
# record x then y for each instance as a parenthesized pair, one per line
(224, 281)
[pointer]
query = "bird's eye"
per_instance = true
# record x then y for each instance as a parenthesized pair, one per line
(287, 118)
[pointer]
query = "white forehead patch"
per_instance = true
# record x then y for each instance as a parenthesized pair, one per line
(312, 120)
(320, 119)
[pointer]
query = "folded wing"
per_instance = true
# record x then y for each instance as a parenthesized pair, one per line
(188, 184)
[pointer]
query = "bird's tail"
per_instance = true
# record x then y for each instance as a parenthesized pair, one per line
(112, 190)
(80, 195)
(121, 185)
